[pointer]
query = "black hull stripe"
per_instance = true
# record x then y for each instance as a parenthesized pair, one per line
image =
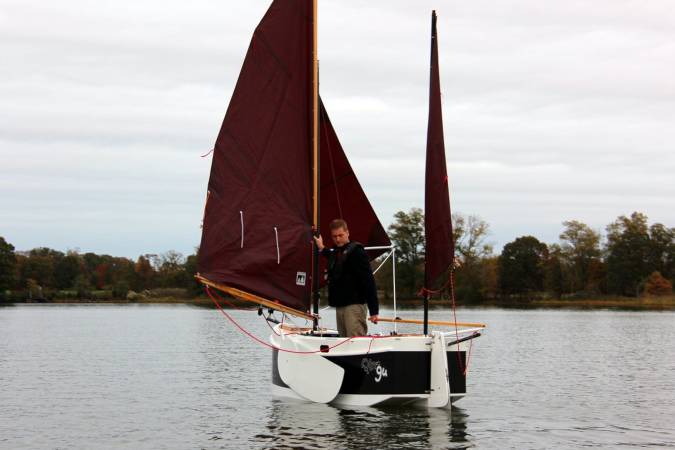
(456, 366)
(389, 373)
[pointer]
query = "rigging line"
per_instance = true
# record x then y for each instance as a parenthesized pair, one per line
(241, 218)
(384, 261)
(260, 341)
(207, 153)
(468, 357)
(463, 367)
(271, 327)
(276, 236)
(330, 157)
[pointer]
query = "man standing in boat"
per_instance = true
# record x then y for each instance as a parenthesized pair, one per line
(351, 284)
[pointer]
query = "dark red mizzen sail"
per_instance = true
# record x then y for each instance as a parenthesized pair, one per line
(257, 222)
(342, 195)
(437, 220)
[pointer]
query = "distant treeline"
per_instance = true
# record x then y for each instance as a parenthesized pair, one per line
(632, 259)
(44, 274)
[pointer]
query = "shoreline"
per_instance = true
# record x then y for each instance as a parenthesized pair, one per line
(618, 303)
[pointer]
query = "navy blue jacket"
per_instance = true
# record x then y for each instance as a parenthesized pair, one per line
(350, 278)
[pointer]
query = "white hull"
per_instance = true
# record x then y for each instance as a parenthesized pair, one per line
(415, 370)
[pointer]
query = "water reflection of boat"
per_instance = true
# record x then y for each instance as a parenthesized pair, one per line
(279, 174)
(302, 425)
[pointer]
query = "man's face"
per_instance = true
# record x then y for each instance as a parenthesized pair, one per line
(340, 236)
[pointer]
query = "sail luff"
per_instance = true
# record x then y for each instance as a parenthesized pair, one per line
(315, 117)
(438, 223)
(316, 160)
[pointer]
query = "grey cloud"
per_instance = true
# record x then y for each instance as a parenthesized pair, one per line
(552, 111)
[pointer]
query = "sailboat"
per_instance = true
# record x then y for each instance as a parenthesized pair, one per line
(279, 175)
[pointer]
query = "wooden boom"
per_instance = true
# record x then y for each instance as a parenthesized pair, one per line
(432, 322)
(247, 296)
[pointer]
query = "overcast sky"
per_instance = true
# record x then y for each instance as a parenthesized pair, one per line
(553, 110)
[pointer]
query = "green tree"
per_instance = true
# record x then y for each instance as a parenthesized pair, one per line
(82, 285)
(121, 275)
(190, 267)
(661, 253)
(580, 253)
(91, 262)
(521, 266)
(628, 250)
(39, 266)
(553, 272)
(66, 270)
(8, 265)
(407, 234)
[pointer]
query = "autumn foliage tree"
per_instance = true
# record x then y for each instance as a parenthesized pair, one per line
(656, 285)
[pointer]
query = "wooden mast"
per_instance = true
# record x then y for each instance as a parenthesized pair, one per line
(315, 159)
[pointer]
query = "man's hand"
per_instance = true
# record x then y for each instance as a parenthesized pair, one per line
(319, 242)
(374, 318)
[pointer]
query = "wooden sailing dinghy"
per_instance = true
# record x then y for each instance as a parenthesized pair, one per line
(278, 175)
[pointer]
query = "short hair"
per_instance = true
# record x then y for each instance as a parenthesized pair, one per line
(338, 223)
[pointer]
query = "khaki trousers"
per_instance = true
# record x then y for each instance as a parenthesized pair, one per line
(351, 320)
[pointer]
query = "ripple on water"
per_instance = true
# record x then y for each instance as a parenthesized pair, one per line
(175, 377)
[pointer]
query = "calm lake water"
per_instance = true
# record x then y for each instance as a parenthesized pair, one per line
(180, 377)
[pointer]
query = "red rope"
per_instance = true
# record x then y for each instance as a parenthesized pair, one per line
(372, 338)
(451, 282)
(462, 366)
(424, 290)
(257, 339)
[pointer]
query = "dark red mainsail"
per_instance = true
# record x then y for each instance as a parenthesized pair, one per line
(257, 223)
(257, 231)
(437, 220)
